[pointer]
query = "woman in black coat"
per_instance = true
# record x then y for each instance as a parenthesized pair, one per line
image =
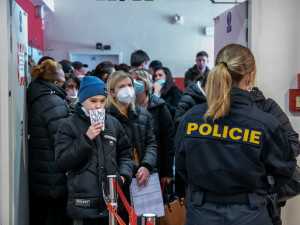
(90, 152)
(165, 88)
(137, 124)
(161, 120)
(46, 109)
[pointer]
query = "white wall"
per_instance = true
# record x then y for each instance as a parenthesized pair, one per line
(275, 44)
(131, 25)
(6, 185)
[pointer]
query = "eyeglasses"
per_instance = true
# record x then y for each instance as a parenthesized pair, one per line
(61, 81)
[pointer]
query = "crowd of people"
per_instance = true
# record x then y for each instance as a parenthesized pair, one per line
(229, 137)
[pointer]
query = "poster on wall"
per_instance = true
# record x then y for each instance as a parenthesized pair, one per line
(20, 44)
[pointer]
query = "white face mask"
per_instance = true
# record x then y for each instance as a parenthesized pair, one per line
(71, 94)
(146, 66)
(85, 111)
(80, 76)
(126, 95)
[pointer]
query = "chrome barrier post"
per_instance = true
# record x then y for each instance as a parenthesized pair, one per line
(112, 197)
(149, 218)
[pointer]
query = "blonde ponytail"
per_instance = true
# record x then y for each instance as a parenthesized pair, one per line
(217, 88)
(233, 63)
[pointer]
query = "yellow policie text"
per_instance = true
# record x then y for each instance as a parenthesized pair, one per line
(224, 132)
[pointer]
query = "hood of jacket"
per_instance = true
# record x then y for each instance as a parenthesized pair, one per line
(257, 95)
(195, 71)
(114, 111)
(155, 102)
(40, 87)
(193, 91)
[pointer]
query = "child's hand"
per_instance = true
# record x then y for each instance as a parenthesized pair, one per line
(94, 130)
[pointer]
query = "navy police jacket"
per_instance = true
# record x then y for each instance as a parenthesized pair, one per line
(233, 154)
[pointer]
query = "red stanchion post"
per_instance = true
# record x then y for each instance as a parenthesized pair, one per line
(149, 219)
(112, 197)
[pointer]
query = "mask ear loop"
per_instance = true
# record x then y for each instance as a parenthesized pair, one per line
(247, 88)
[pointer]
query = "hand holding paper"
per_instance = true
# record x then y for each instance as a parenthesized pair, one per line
(97, 115)
(94, 130)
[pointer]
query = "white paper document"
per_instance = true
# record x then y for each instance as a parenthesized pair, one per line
(97, 115)
(147, 199)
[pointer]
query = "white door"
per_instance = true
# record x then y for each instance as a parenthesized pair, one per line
(93, 59)
(232, 27)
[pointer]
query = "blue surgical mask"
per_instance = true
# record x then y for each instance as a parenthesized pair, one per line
(139, 87)
(161, 82)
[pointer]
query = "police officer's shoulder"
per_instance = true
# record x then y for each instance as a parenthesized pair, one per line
(196, 111)
(265, 118)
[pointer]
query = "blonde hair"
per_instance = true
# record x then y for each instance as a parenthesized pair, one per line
(48, 70)
(144, 75)
(113, 80)
(233, 63)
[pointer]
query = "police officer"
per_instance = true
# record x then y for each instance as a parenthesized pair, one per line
(226, 148)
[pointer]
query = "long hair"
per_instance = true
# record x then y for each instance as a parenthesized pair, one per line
(145, 76)
(113, 80)
(169, 80)
(48, 70)
(233, 63)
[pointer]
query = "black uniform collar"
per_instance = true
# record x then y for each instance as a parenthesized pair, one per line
(240, 96)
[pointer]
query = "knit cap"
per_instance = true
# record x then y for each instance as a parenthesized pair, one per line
(91, 86)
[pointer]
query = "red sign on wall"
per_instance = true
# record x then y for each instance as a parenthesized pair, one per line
(295, 97)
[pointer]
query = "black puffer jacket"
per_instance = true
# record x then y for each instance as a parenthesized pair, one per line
(191, 96)
(46, 109)
(270, 106)
(172, 98)
(89, 162)
(163, 129)
(192, 73)
(140, 134)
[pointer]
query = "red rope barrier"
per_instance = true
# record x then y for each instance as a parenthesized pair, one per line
(130, 210)
(113, 210)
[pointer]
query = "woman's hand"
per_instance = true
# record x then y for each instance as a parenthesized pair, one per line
(156, 88)
(168, 179)
(123, 179)
(142, 176)
(94, 130)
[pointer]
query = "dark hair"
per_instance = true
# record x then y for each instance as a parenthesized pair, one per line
(66, 67)
(169, 80)
(74, 78)
(123, 66)
(155, 63)
(202, 53)
(138, 57)
(102, 68)
(44, 58)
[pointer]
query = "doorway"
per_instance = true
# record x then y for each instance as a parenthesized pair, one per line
(93, 59)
